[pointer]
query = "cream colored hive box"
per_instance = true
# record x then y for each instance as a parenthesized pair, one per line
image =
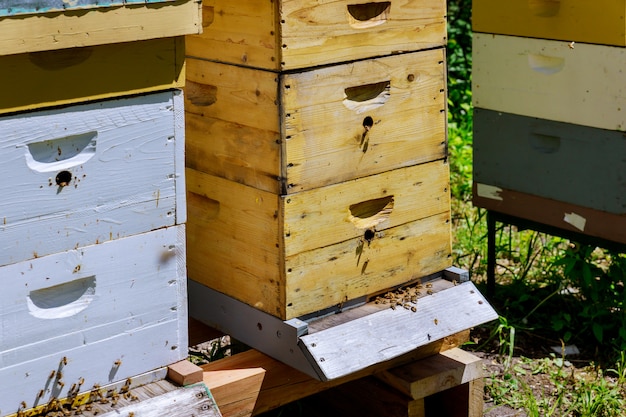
(92, 315)
(291, 255)
(573, 83)
(289, 34)
(90, 173)
(297, 131)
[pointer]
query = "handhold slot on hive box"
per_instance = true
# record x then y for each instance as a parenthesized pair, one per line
(367, 15)
(61, 58)
(544, 143)
(368, 214)
(544, 8)
(367, 97)
(63, 300)
(61, 153)
(545, 64)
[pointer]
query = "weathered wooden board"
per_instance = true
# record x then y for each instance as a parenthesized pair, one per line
(195, 400)
(45, 30)
(599, 22)
(13, 7)
(283, 254)
(90, 173)
(570, 163)
(427, 377)
(283, 384)
(52, 78)
(580, 84)
(290, 34)
(566, 216)
(93, 315)
(436, 316)
(308, 129)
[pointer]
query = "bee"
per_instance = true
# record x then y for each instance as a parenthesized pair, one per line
(454, 282)
(131, 414)
(118, 363)
(64, 360)
(40, 394)
(429, 285)
(436, 322)
(23, 404)
(81, 381)
(52, 374)
(413, 309)
(59, 375)
(61, 383)
(429, 292)
(133, 397)
(571, 45)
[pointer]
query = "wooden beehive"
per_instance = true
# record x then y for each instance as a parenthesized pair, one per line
(92, 315)
(549, 125)
(60, 77)
(579, 84)
(91, 173)
(596, 22)
(316, 147)
(296, 131)
(290, 255)
(289, 34)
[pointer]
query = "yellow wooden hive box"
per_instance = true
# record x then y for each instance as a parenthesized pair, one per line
(292, 255)
(74, 75)
(298, 131)
(598, 21)
(289, 34)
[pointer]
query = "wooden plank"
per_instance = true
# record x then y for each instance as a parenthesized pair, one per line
(291, 34)
(599, 22)
(184, 373)
(131, 142)
(351, 346)
(61, 311)
(52, 78)
(566, 162)
(235, 390)
(437, 373)
(79, 28)
(294, 132)
(182, 402)
(579, 84)
(555, 213)
(283, 384)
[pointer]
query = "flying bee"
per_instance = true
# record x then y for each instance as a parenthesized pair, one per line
(118, 363)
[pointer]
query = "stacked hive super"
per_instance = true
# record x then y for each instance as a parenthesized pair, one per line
(549, 95)
(93, 249)
(316, 150)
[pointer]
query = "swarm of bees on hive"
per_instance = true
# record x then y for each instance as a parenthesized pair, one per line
(405, 297)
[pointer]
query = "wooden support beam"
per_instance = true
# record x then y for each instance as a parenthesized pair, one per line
(184, 373)
(283, 384)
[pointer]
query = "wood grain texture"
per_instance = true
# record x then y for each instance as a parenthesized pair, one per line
(296, 254)
(298, 131)
(120, 159)
(579, 84)
(235, 390)
(291, 34)
(102, 313)
(68, 76)
(283, 384)
(598, 22)
(105, 25)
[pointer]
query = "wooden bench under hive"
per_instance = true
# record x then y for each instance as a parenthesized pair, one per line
(549, 122)
(92, 227)
(317, 168)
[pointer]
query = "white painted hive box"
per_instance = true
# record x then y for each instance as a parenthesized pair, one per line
(96, 314)
(90, 173)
